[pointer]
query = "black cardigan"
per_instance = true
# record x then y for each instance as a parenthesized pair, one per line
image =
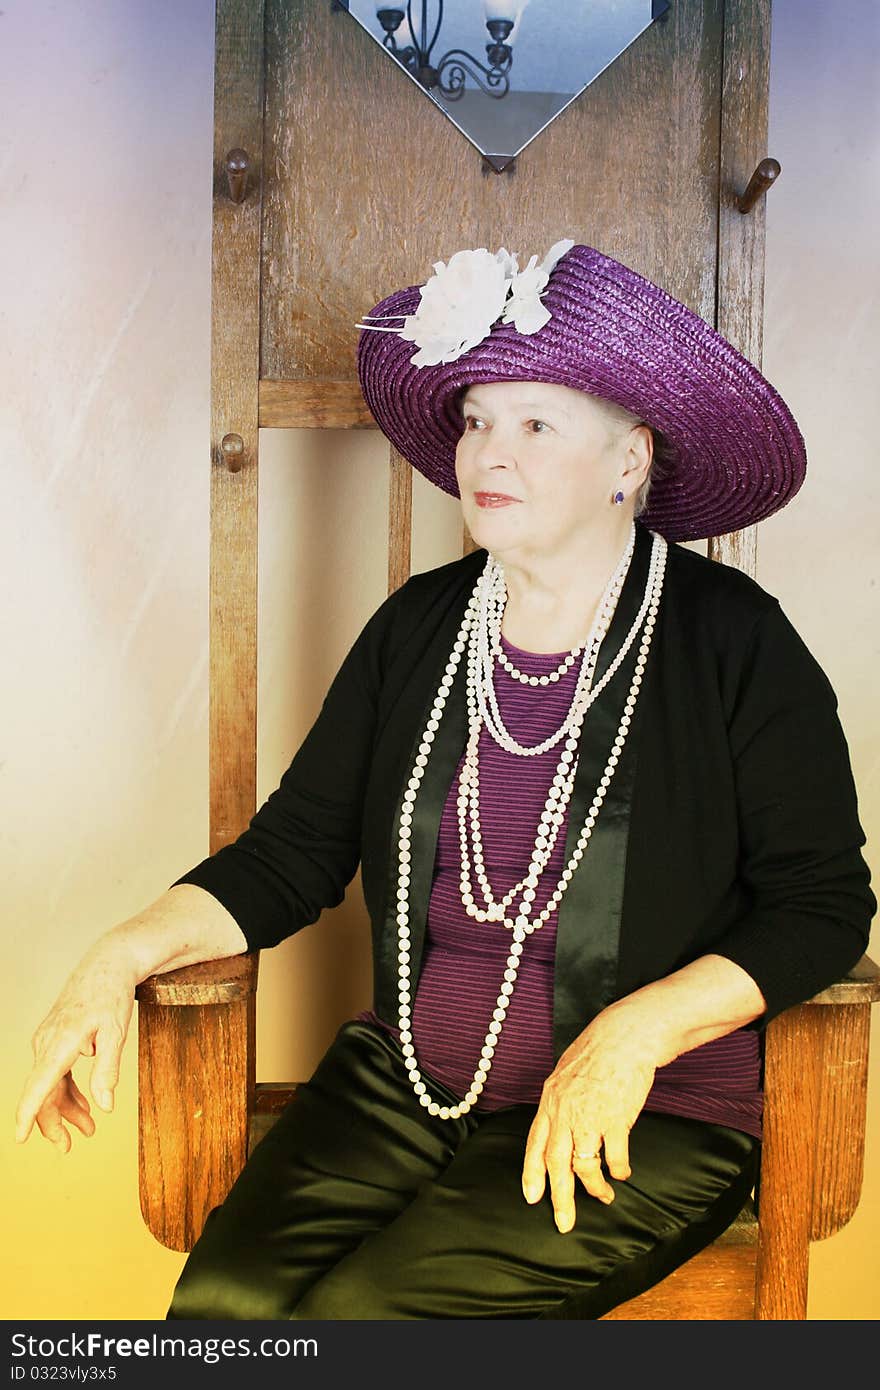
(730, 826)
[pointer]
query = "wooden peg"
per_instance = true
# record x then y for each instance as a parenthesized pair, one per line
(237, 168)
(232, 449)
(766, 174)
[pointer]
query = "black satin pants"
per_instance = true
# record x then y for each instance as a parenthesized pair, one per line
(360, 1205)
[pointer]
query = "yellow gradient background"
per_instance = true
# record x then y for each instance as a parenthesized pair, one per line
(105, 153)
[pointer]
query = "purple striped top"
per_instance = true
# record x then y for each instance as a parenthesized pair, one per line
(464, 961)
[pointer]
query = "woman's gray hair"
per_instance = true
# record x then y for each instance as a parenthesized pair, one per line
(622, 420)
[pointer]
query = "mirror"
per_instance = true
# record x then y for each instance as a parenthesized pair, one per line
(502, 70)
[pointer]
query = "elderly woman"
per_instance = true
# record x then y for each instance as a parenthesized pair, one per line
(605, 818)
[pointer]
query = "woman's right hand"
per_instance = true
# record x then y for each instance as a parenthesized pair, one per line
(90, 1018)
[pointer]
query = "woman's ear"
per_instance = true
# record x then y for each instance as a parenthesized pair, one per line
(640, 454)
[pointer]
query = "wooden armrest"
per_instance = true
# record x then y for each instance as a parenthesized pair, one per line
(195, 1090)
(816, 1076)
(210, 982)
(235, 977)
(197, 1099)
(861, 986)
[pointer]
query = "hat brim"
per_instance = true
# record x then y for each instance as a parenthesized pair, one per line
(737, 454)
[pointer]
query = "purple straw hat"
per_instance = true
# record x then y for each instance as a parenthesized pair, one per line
(736, 453)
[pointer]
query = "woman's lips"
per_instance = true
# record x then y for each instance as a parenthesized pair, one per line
(493, 499)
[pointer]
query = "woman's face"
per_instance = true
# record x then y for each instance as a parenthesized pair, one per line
(538, 464)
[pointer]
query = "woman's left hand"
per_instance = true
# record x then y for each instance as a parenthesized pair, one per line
(590, 1102)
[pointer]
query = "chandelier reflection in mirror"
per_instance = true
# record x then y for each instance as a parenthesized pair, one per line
(535, 57)
(450, 72)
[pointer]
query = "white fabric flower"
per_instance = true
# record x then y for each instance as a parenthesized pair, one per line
(458, 306)
(524, 308)
(470, 292)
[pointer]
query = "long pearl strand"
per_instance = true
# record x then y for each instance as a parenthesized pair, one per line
(553, 815)
(472, 634)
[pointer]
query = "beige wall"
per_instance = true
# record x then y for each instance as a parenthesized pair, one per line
(105, 151)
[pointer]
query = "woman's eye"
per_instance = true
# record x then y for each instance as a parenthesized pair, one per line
(472, 422)
(538, 426)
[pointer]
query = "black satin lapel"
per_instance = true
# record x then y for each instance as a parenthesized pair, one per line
(588, 935)
(446, 750)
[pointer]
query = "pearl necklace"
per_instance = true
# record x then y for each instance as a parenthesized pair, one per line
(471, 638)
(483, 654)
(497, 595)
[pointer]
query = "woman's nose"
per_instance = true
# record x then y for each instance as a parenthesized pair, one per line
(495, 450)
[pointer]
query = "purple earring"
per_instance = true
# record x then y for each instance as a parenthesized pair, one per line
(618, 497)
